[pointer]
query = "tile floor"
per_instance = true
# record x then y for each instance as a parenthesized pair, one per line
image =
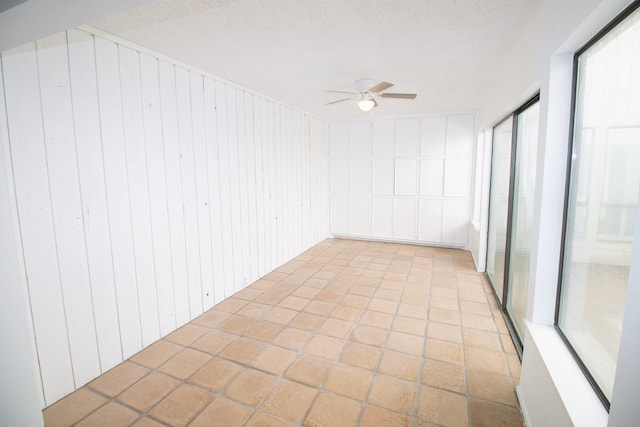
(348, 333)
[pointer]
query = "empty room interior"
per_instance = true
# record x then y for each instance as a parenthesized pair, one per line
(320, 213)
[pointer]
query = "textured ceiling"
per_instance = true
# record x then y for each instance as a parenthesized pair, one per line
(291, 50)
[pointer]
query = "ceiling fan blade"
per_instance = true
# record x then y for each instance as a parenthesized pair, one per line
(375, 104)
(399, 95)
(340, 91)
(339, 100)
(379, 87)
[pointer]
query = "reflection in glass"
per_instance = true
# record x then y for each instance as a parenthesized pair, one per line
(499, 204)
(602, 200)
(522, 217)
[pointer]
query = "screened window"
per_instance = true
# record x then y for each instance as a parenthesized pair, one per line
(602, 200)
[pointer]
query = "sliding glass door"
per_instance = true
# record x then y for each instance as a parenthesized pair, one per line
(513, 176)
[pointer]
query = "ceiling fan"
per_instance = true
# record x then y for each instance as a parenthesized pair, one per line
(366, 92)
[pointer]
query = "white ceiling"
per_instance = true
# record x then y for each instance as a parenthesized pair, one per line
(291, 50)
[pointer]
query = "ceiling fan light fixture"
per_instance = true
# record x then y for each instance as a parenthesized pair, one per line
(366, 104)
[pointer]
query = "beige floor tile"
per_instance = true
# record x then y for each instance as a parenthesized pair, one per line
(306, 292)
(248, 294)
(412, 310)
(263, 330)
(443, 375)
(393, 393)
(293, 338)
(289, 400)
(324, 346)
(442, 407)
(400, 365)
(474, 321)
(156, 354)
(147, 422)
(336, 328)
(280, 292)
(114, 381)
(405, 343)
(444, 303)
(281, 315)
(440, 315)
(181, 405)
(320, 308)
(307, 321)
(383, 305)
(409, 325)
(262, 419)
(349, 381)
(236, 324)
(211, 318)
(485, 360)
(481, 339)
(250, 387)
(274, 360)
(187, 334)
(347, 333)
(310, 370)
(487, 414)
(361, 355)
(492, 386)
(255, 310)
(213, 342)
(72, 408)
(185, 363)
(215, 375)
(369, 335)
(445, 332)
(343, 312)
(222, 412)
(378, 417)
(231, 305)
(443, 350)
(332, 410)
(242, 350)
(294, 303)
(111, 414)
(377, 319)
(144, 394)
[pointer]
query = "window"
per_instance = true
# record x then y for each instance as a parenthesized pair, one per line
(602, 199)
(511, 205)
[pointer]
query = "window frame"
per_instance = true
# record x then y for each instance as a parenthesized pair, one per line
(567, 199)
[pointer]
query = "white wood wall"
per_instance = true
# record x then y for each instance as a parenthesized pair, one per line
(145, 193)
(407, 179)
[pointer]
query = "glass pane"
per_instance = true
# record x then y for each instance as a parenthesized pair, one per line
(498, 204)
(603, 198)
(523, 197)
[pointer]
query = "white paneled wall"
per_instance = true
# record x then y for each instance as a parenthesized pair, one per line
(403, 179)
(146, 192)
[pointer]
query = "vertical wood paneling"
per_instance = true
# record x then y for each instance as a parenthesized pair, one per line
(157, 187)
(173, 181)
(57, 114)
(189, 191)
(243, 189)
(86, 119)
(225, 188)
(117, 186)
(147, 192)
(213, 168)
(250, 134)
(203, 197)
(136, 166)
(24, 116)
